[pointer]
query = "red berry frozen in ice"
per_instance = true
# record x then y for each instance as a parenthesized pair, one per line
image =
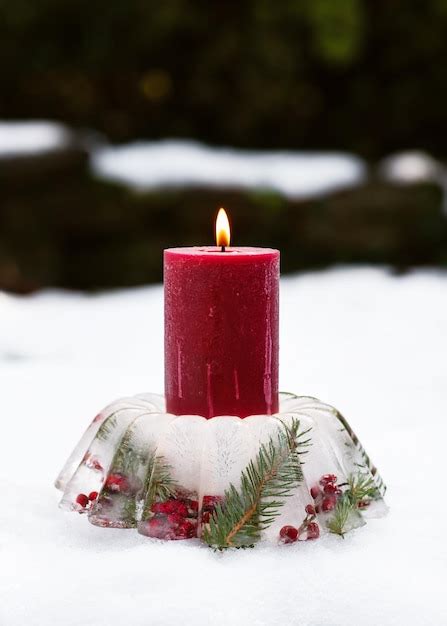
(328, 503)
(117, 482)
(170, 506)
(161, 507)
(211, 501)
(193, 505)
(82, 500)
(363, 504)
(206, 517)
(92, 462)
(175, 519)
(179, 508)
(93, 495)
(288, 534)
(313, 530)
(315, 492)
(328, 478)
(186, 530)
(331, 488)
(156, 525)
(310, 509)
(159, 528)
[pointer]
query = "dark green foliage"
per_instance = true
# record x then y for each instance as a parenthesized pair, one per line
(368, 77)
(364, 76)
(69, 230)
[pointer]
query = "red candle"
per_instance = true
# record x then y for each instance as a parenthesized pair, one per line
(221, 330)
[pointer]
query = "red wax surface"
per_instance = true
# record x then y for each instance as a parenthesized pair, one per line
(221, 331)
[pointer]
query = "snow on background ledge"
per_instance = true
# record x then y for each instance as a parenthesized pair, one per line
(148, 165)
(409, 167)
(145, 165)
(31, 138)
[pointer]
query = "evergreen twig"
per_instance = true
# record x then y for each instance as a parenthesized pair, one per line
(107, 427)
(343, 509)
(129, 456)
(265, 482)
(158, 484)
(361, 488)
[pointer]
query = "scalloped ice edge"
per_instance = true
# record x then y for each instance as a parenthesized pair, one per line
(206, 456)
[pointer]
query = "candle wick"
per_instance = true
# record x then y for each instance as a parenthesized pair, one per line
(222, 248)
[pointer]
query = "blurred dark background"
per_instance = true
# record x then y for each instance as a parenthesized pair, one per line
(363, 77)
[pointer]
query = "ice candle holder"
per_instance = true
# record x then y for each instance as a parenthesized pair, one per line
(222, 457)
(172, 477)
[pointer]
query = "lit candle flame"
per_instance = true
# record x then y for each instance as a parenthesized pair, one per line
(222, 229)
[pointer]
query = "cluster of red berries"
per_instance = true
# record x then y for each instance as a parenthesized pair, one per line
(116, 483)
(309, 528)
(326, 493)
(175, 518)
(86, 501)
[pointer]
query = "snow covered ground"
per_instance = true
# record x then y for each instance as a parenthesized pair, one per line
(368, 342)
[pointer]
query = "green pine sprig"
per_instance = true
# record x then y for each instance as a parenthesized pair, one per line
(266, 481)
(107, 427)
(343, 509)
(158, 484)
(129, 511)
(129, 456)
(360, 488)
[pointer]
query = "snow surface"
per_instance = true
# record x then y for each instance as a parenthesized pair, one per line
(145, 165)
(25, 138)
(371, 343)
